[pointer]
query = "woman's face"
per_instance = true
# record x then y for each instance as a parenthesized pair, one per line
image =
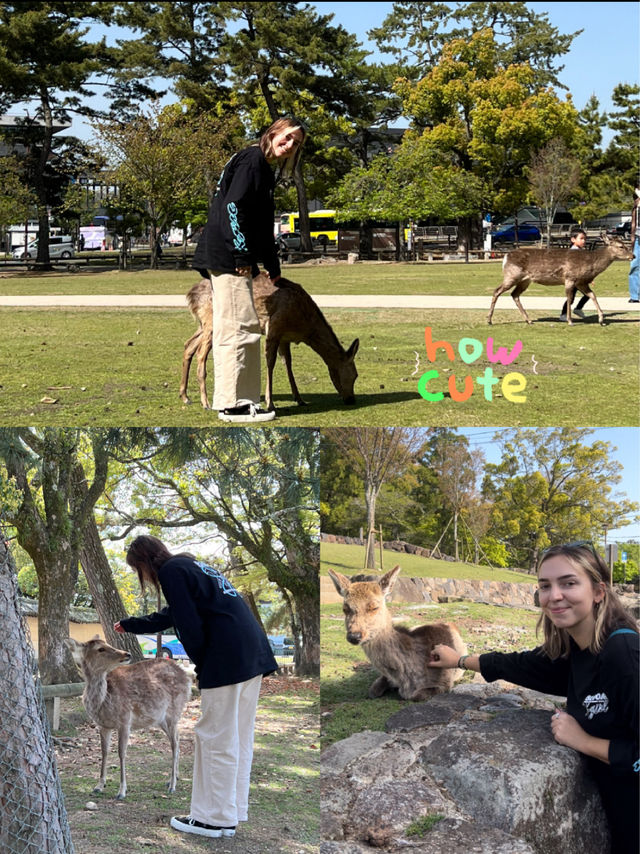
(567, 596)
(286, 142)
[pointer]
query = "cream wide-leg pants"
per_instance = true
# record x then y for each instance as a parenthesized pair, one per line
(223, 753)
(235, 342)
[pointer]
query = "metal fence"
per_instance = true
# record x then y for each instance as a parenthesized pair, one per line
(33, 819)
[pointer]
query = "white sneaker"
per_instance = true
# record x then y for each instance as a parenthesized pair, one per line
(189, 825)
(579, 313)
(248, 414)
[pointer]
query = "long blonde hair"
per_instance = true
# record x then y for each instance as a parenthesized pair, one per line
(610, 614)
(287, 164)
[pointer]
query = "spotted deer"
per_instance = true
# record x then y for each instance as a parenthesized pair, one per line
(287, 316)
(144, 694)
(400, 654)
(574, 270)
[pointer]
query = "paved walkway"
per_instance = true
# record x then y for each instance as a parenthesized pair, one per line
(323, 300)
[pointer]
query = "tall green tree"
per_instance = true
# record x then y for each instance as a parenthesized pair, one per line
(550, 487)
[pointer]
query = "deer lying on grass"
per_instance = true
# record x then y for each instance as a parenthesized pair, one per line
(557, 267)
(400, 654)
(144, 694)
(287, 316)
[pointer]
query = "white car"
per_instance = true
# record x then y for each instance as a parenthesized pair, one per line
(59, 247)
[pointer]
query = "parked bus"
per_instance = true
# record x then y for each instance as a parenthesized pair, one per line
(323, 225)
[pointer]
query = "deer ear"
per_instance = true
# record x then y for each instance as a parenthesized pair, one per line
(387, 581)
(353, 349)
(341, 582)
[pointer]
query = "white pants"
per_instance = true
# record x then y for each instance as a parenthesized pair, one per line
(235, 342)
(223, 753)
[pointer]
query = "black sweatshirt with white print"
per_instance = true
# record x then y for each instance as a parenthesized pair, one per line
(213, 622)
(239, 230)
(603, 696)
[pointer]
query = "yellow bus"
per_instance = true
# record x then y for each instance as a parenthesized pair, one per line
(323, 225)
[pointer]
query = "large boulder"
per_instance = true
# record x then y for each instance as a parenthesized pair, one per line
(475, 771)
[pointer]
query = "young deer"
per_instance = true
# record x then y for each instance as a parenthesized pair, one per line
(399, 653)
(287, 316)
(144, 694)
(557, 267)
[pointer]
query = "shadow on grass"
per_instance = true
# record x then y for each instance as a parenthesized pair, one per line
(327, 402)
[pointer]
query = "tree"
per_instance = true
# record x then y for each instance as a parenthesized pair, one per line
(417, 32)
(376, 455)
(551, 487)
(16, 200)
(623, 153)
(258, 489)
(33, 813)
(44, 60)
(166, 158)
(554, 176)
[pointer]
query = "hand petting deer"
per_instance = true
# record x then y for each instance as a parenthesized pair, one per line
(140, 695)
(287, 316)
(574, 270)
(400, 654)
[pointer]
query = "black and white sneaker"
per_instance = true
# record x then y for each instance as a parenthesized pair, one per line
(189, 825)
(251, 413)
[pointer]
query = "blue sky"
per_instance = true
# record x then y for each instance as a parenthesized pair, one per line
(625, 440)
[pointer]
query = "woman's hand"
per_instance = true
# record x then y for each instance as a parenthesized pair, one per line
(443, 656)
(275, 279)
(567, 731)
(244, 271)
(118, 628)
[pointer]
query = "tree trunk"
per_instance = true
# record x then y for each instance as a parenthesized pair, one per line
(370, 496)
(303, 210)
(455, 534)
(105, 595)
(307, 659)
(34, 819)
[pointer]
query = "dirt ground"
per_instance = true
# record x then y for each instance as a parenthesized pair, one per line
(283, 803)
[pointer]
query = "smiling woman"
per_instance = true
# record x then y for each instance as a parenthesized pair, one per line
(589, 656)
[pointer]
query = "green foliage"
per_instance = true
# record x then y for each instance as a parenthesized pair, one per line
(625, 572)
(421, 826)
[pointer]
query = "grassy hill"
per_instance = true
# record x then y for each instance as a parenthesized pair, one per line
(349, 560)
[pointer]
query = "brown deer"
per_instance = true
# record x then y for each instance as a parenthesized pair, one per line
(287, 316)
(400, 654)
(144, 694)
(558, 267)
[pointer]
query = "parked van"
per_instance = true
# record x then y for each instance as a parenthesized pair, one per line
(60, 246)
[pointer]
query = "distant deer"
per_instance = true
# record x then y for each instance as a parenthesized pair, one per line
(400, 654)
(144, 694)
(557, 267)
(287, 316)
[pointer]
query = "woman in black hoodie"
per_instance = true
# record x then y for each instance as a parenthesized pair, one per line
(231, 654)
(589, 656)
(238, 234)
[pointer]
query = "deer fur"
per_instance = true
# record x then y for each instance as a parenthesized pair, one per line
(287, 315)
(400, 654)
(573, 269)
(144, 694)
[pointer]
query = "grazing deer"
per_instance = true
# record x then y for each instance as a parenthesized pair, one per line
(144, 694)
(400, 654)
(287, 316)
(557, 267)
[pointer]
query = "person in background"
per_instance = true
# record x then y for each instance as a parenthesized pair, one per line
(231, 654)
(634, 269)
(238, 234)
(590, 656)
(578, 240)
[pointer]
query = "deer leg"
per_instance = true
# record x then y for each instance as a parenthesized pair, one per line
(285, 352)
(123, 741)
(519, 289)
(190, 348)
(105, 744)
(380, 687)
(591, 294)
(202, 355)
(501, 289)
(171, 730)
(271, 354)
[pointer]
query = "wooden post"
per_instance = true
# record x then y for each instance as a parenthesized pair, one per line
(381, 559)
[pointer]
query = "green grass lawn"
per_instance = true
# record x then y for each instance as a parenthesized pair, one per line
(349, 560)
(107, 366)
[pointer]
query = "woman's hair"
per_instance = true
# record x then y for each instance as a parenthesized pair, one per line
(288, 164)
(146, 554)
(609, 613)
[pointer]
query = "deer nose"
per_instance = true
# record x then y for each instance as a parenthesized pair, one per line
(354, 637)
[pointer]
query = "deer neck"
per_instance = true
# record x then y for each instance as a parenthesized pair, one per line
(95, 692)
(385, 644)
(324, 342)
